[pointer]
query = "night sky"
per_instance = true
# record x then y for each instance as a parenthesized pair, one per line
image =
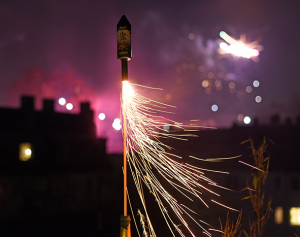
(53, 49)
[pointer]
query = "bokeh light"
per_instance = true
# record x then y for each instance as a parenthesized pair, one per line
(201, 68)
(240, 117)
(211, 122)
(168, 97)
(191, 36)
(218, 83)
(258, 99)
(249, 89)
(191, 65)
(231, 85)
(238, 47)
(210, 75)
(101, 116)
(184, 66)
(247, 120)
(62, 101)
(214, 108)
(205, 83)
(117, 124)
(240, 93)
(232, 91)
(256, 83)
(69, 106)
(208, 90)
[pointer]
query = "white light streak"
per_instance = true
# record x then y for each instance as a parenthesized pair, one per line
(251, 166)
(224, 206)
(216, 230)
(145, 152)
(238, 47)
(223, 46)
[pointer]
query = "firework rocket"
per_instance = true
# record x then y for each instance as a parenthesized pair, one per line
(124, 45)
(124, 54)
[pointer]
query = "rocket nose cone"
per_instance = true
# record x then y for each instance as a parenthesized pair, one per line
(123, 21)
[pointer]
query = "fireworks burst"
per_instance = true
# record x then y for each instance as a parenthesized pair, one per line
(239, 48)
(144, 150)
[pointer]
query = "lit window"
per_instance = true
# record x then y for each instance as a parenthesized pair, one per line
(295, 216)
(25, 151)
(278, 215)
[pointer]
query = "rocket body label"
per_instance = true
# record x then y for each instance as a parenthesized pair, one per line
(124, 39)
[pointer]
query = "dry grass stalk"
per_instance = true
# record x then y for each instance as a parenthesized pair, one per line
(256, 191)
(230, 229)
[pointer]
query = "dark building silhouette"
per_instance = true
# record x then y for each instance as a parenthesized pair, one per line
(55, 176)
(58, 140)
(283, 183)
(57, 180)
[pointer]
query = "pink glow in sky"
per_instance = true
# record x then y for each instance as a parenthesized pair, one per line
(54, 49)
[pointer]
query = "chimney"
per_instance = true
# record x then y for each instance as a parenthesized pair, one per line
(85, 107)
(48, 105)
(87, 116)
(255, 122)
(27, 102)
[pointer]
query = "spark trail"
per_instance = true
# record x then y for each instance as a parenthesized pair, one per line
(145, 151)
